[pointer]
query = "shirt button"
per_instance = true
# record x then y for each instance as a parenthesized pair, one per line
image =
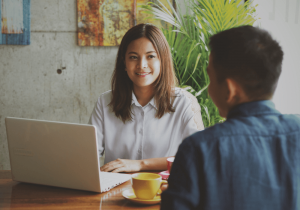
(142, 113)
(141, 131)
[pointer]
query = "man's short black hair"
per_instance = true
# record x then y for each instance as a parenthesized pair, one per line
(250, 56)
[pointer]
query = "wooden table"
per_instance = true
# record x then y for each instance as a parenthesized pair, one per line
(17, 195)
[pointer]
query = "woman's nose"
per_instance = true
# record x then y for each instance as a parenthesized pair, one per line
(143, 63)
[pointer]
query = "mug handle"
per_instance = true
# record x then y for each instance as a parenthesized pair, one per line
(162, 183)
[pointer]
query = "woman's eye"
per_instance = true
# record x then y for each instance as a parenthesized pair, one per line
(151, 56)
(132, 57)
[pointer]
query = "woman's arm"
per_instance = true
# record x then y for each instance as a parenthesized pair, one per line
(125, 165)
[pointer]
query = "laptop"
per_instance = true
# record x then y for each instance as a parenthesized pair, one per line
(57, 154)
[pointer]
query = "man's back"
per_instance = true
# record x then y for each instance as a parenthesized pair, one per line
(252, 161)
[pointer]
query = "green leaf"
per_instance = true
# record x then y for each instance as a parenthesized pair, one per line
(189, 38)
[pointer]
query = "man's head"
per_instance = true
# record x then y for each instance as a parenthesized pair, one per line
(245, 64)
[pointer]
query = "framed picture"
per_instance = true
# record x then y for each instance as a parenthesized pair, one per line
(15, 22)
(104, 22)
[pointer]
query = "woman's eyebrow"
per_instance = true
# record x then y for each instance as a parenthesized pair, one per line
(132, 53)
(146, 52)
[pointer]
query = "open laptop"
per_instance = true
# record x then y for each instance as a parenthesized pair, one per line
(57, 154)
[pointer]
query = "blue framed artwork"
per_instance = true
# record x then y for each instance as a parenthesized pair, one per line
(15, 22)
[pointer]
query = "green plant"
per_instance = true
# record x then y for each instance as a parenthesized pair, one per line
(188, 38)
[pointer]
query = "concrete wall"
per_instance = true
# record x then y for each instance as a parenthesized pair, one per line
(30, 86)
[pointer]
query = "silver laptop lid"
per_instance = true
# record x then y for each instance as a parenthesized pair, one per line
(53, 153)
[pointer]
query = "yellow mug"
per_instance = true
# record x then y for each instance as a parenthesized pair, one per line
(146, 185)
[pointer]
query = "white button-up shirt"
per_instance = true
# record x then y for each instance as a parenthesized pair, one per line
(145, 136)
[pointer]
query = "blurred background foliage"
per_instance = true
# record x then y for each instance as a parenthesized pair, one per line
(188, 36)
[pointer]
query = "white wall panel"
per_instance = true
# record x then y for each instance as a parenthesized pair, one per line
(281, 19)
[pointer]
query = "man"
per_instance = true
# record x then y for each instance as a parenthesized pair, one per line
(252, 160)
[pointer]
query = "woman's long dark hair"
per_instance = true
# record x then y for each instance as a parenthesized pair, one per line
(122, 86)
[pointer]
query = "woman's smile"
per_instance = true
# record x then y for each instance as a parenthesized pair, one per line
(143, 74)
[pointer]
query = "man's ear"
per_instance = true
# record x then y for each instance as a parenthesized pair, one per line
(234, 92)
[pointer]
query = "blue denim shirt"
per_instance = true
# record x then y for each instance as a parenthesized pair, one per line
(249, 162)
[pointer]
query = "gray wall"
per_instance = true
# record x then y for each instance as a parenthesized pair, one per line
(30, 86)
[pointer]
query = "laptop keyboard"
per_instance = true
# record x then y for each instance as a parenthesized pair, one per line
(109, 180)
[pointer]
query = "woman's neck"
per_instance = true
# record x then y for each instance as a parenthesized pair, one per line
(143, 94)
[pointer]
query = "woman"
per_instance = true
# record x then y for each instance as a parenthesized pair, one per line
(144, 118)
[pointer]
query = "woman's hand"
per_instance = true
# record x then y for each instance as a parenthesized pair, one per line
(122, 165)
(125, 165)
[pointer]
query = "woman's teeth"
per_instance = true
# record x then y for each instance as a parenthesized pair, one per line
(142, 73)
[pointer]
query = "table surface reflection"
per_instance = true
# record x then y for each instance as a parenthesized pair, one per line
(17, 195)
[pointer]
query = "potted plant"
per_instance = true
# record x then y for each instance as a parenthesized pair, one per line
(188, 36)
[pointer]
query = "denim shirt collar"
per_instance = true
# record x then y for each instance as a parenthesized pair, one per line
(253, 108)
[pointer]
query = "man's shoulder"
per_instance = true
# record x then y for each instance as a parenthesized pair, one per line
(208, 135)
(290, 119)
(215, 131)
(272, 125)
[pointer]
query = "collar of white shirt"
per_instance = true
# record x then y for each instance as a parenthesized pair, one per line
(135, 101)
